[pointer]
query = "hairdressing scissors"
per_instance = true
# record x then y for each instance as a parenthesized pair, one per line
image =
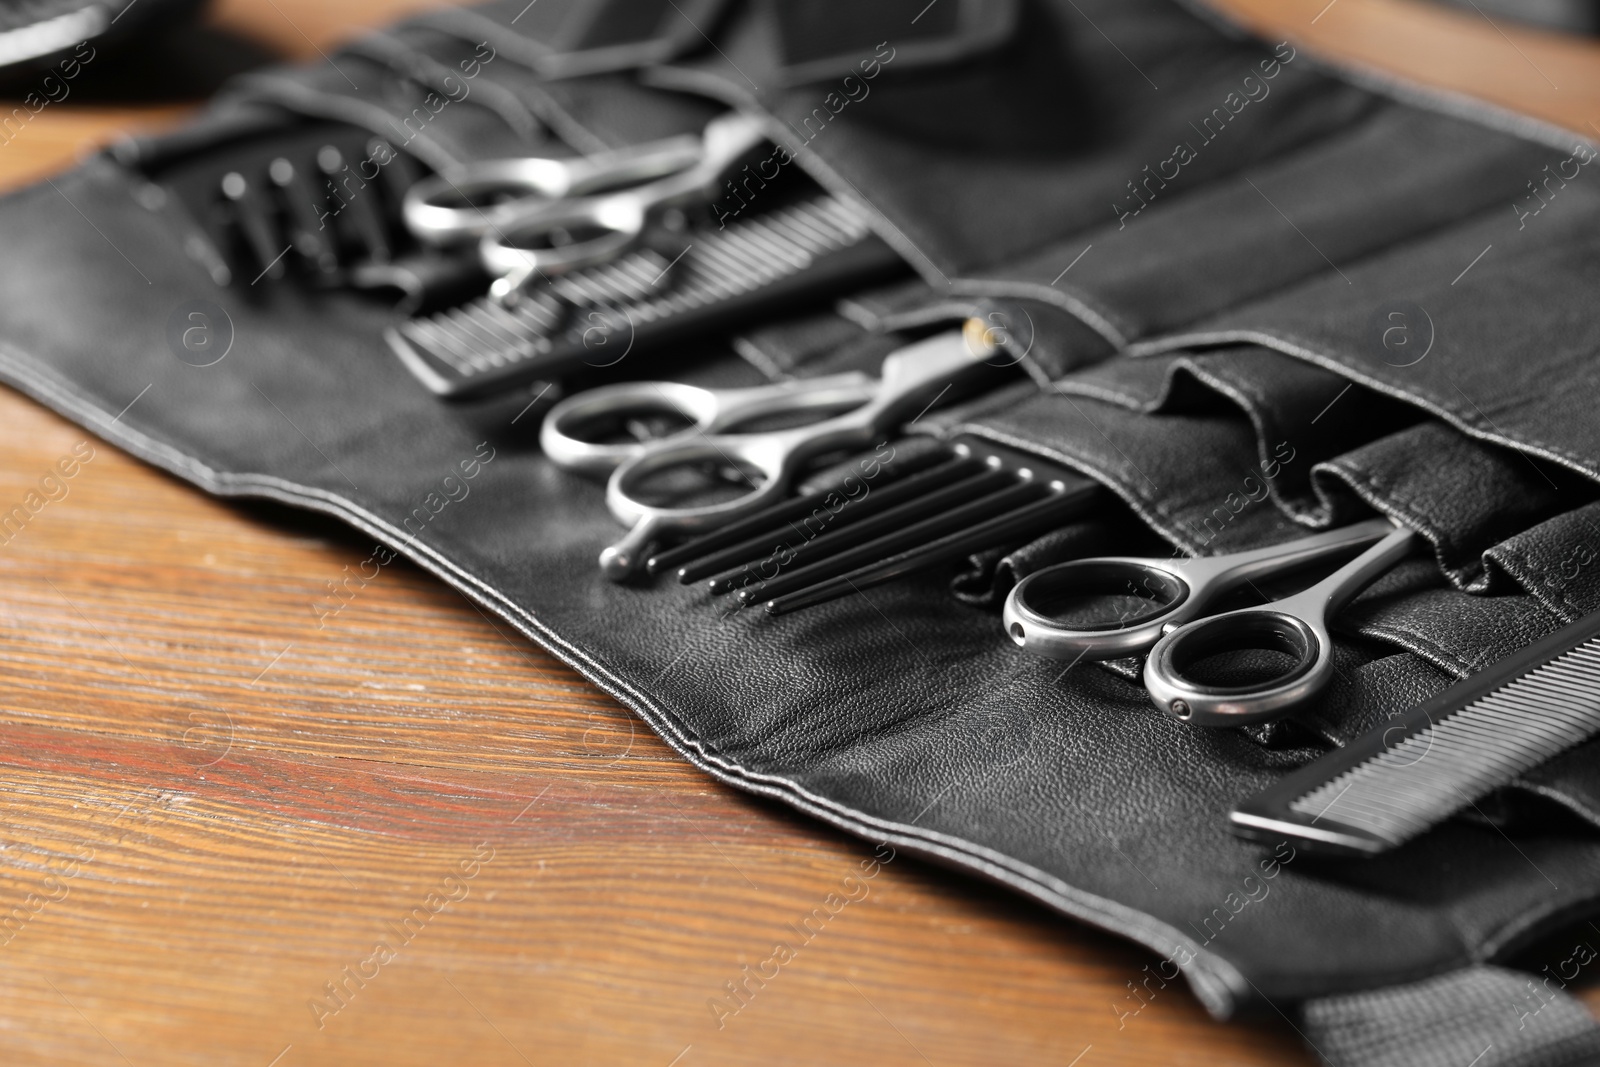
(1168, 624)
(854, 411)
(560, 215)
(462, 205)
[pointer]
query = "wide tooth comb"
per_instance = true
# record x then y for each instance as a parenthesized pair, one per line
(1408, 775)
(922, 518)
(1060, 501)
(949, 484)
(252, 214)
(758, 534)
(961, 500)
(366, 221)
(301, 201)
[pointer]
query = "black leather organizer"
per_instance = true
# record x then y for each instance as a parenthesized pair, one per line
(1196, 236)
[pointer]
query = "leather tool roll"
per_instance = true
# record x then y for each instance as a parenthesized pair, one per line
(1209, 236)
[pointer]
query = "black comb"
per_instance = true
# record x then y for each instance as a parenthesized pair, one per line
(1410, 774)
(715, 280)
(939, 505)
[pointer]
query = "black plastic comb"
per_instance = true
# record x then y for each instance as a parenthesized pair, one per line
(939, 504)
(1408, 775)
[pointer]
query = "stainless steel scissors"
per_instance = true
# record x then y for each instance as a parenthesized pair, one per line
(1171, 595)
(560, 215)
(461, 205)
(912, 378)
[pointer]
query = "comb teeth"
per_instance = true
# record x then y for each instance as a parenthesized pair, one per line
(921, 511)
(630, 279)
(483, 336)
(1405, 777)
(482, 343)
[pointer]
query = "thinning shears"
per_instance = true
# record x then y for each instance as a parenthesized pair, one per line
(1168, 598)
(852, 410)
(544, 217)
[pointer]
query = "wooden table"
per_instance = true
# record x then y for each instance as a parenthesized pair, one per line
(217, 804)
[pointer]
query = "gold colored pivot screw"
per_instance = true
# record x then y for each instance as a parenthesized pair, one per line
(982, 339)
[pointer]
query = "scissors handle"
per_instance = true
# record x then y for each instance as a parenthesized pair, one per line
(912, 378)
(588, 230)
(1296, 626)
(447, 208)
(707, 411)
(1157, 594)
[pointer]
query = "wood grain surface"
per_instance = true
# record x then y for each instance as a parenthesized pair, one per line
(241, 830)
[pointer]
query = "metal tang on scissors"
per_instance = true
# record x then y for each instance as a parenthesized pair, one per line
(912, 377)
(583, 231)
(1175, 593)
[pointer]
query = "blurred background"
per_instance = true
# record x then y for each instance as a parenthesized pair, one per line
(156, 59)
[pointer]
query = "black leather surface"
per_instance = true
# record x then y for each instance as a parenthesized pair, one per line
(1555, 561)
(903, 713)
(1512, 356)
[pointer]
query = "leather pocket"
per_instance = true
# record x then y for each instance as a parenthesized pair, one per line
(1300, 414)
(1557, 562)
(1486, 324)
(1464, 496)
(1329, 452)
(1176, 256)
(1214, 451)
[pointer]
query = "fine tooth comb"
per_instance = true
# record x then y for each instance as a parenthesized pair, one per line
(594, 315)
(929, 508)
(1417, 770)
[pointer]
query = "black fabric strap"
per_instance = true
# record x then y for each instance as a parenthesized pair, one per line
(1477, 1016)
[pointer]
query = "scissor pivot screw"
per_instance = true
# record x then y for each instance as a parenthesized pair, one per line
(981, 338)
(1181, 709)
